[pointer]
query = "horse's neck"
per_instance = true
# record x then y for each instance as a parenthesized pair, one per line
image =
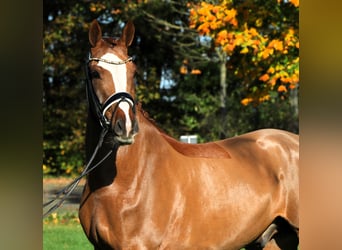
(132, 160)
(126, 164)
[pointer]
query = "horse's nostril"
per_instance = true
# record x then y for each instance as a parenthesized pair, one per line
(119, 127)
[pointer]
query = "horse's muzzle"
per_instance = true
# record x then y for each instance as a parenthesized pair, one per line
(124, 130)
(119, 115)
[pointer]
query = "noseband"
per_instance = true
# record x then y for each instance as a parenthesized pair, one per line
(100, 109)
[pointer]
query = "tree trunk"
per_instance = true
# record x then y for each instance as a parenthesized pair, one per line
(223, 75)
(223, 84)
(294, 101)
(223, 93)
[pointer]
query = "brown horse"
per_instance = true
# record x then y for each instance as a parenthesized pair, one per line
(154, 192)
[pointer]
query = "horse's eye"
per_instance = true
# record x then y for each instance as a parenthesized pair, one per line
(94, 74)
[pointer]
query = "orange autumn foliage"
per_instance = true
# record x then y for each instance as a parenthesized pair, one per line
(232, 33)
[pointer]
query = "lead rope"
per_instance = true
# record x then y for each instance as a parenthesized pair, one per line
(63, 194)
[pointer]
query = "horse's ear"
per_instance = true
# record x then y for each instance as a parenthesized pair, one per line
(128, 34)
(95, 33)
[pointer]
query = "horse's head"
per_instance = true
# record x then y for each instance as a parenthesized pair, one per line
(110, 73)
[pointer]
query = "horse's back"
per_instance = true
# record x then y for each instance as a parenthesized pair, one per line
(264, 134)
(258, 142)
(262, 138)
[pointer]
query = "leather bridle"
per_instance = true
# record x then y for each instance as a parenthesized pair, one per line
(99, 110)
(94, 104)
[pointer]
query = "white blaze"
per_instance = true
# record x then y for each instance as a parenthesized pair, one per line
(119, 76)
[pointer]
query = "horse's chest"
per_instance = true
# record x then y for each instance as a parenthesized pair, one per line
(120, 220)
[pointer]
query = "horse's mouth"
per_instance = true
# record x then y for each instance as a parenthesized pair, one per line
(111, 140)
(124, 141)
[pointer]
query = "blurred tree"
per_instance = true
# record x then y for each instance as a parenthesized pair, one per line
(64, 101)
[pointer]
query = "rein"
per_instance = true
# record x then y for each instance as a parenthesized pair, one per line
(63, 194)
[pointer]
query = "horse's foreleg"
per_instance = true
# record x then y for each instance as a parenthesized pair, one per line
(271, 245)
(265, 237)
(287, 239)
(279, 235)
(285, 236)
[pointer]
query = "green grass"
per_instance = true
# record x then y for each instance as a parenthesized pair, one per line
(62, 231)
(70, 237)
